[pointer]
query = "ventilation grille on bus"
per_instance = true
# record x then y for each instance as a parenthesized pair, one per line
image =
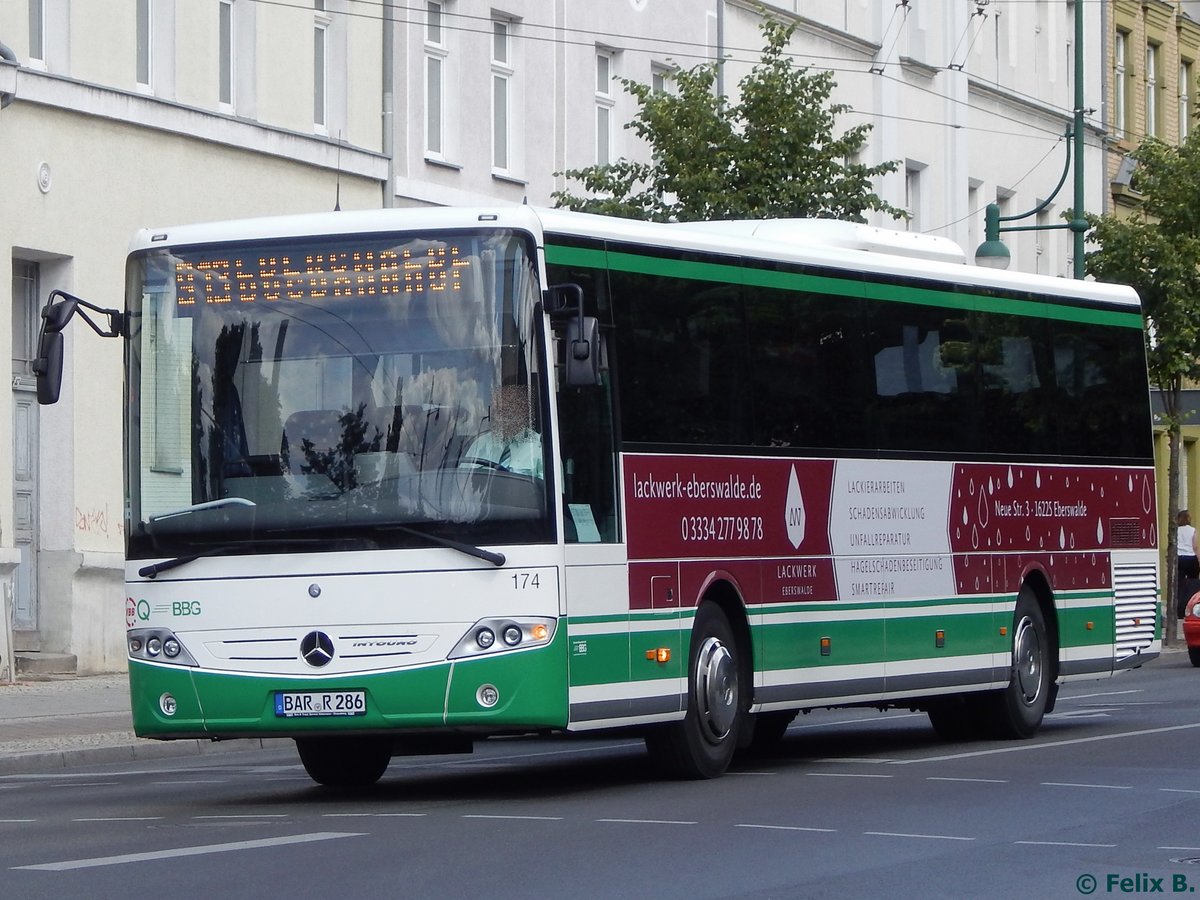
(1125, 532)
(1135, 595)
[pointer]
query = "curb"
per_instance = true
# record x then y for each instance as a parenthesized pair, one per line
(43, 761)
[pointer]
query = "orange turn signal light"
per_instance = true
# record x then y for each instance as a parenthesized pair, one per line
(659, 654)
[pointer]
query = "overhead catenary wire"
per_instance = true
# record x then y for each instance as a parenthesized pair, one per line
(700, 52)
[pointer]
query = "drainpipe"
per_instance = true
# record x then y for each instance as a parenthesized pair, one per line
(389, 101)
(9, 58)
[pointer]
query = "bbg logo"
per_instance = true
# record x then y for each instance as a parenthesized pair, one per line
(185, 608)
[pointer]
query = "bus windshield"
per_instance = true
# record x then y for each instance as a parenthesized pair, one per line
(357, 392)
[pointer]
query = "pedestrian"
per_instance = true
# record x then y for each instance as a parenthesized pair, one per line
(1188, 565)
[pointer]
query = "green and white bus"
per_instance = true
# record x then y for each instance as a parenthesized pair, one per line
(401, 480)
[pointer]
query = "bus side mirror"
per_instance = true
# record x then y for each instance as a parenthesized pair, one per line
(55, 315)
(49, 362)
(48, 367)
(583, 352)
(564, 303)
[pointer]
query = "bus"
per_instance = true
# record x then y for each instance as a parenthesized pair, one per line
(401, 480)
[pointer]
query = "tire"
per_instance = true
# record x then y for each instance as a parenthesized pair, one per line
(345, 762)
(703, 743)
(1017, 711)
(1194, 656)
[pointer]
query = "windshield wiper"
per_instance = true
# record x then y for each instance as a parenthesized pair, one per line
(152, 570)
(200, 507)
(166, 565)
(496, 559)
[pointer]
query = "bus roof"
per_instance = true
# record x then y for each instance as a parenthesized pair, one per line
(828, 243)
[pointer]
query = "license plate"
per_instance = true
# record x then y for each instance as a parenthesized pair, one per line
(298, 704)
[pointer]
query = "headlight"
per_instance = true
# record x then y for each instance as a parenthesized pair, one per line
(524, 633)
(159, 645)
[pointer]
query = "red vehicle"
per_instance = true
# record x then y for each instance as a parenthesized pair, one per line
(1191, 628)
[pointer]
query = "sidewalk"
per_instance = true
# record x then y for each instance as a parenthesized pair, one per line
(50, 724)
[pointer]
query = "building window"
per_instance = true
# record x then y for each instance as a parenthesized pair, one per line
(660, 78)
(25, 315)
(320, 67)
(37, 30)
(912, 195)
(1152, 113)
(435, 66)
(1185, 99)
(1120, 85)
(604, 107)
(502, 73)
(143, 43)
(225, 54)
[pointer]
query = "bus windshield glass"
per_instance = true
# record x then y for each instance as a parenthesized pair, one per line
(364, 392)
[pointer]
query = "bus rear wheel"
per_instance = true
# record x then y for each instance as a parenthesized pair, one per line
(345, 762)
(1017, 711)
(702, 744)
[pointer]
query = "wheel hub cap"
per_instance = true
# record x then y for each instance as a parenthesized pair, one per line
(716, 689)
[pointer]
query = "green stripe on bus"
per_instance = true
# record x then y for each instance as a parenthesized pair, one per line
(796, 281)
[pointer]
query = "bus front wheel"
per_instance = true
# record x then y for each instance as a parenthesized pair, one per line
(345, 762)
(702, 744)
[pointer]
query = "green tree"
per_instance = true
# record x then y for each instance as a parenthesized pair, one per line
(772, 154)
(1157, 251)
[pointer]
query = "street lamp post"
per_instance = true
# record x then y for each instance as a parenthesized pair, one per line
(992, 252)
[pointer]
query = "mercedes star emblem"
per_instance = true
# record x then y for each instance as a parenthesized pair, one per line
(316, 648)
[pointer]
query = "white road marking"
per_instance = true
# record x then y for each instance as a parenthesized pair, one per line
(932, 837)
(247, 816)
(121, 819)
(1020, 748)
(186, 851)
(1106, 787)
(195, 781)
(845, 775)
(786, 828)
(1098, 694)
(373, 815)
(969, 780)
(520, 818)
(645, 822)
(1064, 844)
(1179, 790)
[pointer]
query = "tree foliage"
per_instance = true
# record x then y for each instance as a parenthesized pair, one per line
(1157, 251)
(772, 154)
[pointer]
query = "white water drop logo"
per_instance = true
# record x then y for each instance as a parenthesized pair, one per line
(795, 511)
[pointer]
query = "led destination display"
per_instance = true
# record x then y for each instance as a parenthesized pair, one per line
(308, 273)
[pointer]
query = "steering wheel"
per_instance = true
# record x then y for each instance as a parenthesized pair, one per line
(482, 463)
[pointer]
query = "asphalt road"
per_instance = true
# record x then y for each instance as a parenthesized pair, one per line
(1104, 801)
